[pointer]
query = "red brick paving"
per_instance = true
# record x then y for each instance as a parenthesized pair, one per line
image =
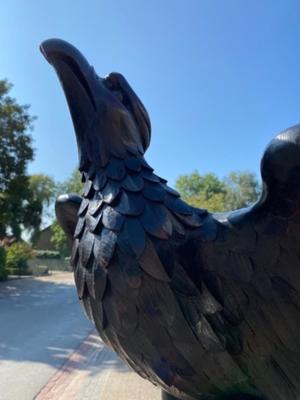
(94, 373)
(66, 382)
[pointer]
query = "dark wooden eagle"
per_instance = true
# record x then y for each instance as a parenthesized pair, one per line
(205, 306)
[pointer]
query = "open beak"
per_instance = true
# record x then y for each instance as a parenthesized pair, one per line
(79, 81)
(105, 111)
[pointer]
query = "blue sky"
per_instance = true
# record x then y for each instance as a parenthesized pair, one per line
(219, 78)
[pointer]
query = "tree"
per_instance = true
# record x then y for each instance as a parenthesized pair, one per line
(242, 189)
(17, 256)
(41, 195)
(59, 239)
(206, 191)
(71, 185)
(237, 190)
(15, 153)
(3, 271)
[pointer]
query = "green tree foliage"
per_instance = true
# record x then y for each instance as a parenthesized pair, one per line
(242, 189)
(3, 270)
(15, 153)
(41, 195)
(23, 198)
(71, 185)
(237, 190)
(206, 191)
(43, 188)
(17, 256)
(28, 199)
(59, 239)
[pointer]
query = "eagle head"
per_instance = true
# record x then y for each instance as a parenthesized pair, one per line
(108, 117)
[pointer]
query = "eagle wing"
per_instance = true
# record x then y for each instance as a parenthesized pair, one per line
(252, 268)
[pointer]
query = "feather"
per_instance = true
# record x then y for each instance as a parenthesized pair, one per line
(111, 312)
(79, 227)
(111, 219)
(154, 192)
(150, 263)
(75, 253)
(119, 152)
(145, 164)
(135, 235)
(176, 225)
(150, 177)
(79, 275)
(165, 251)
(207, 337)
(133, 183)
(83, 207)
(131, 204)
(209, 229)
(99, 180)
(104, 247)
(177, 205)
(130, 269)
(96, 281)
(168, 226)
(86, 302)
(98, 316)
(170, 190)
(129, 317)
(88, 189)
(153, 219)
(116, 170)
(85, 247)
(92, 223)
(182, 284)
(119, 285)
(207, 302)
(110, 191)
(190, 221)
(240, 266)
(90, 174)
(95, 205)
(133, 164)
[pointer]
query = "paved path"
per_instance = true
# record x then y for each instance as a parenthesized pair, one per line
(94, 372)
(48, 350)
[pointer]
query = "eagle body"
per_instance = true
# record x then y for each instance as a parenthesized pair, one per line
(130, 259)
(206, 306)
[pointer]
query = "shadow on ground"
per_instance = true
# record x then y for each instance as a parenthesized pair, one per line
(42, 322)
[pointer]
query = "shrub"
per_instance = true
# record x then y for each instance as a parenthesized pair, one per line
(17, 256)
(3, 270)
(18, 271)
(59, 240)
(42, 254)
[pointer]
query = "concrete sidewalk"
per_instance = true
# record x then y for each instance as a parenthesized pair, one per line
(93, 372)
(49, 350)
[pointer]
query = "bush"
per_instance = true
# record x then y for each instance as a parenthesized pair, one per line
(42, 254)
(3, 270)
(59, 240)
(18, 271)
(17, 256)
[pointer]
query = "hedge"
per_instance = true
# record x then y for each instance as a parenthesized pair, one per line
(18, 271)
(17, 256)
(3, 270)
(42, 254)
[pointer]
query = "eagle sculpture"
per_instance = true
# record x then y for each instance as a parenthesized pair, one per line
(206, 306)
